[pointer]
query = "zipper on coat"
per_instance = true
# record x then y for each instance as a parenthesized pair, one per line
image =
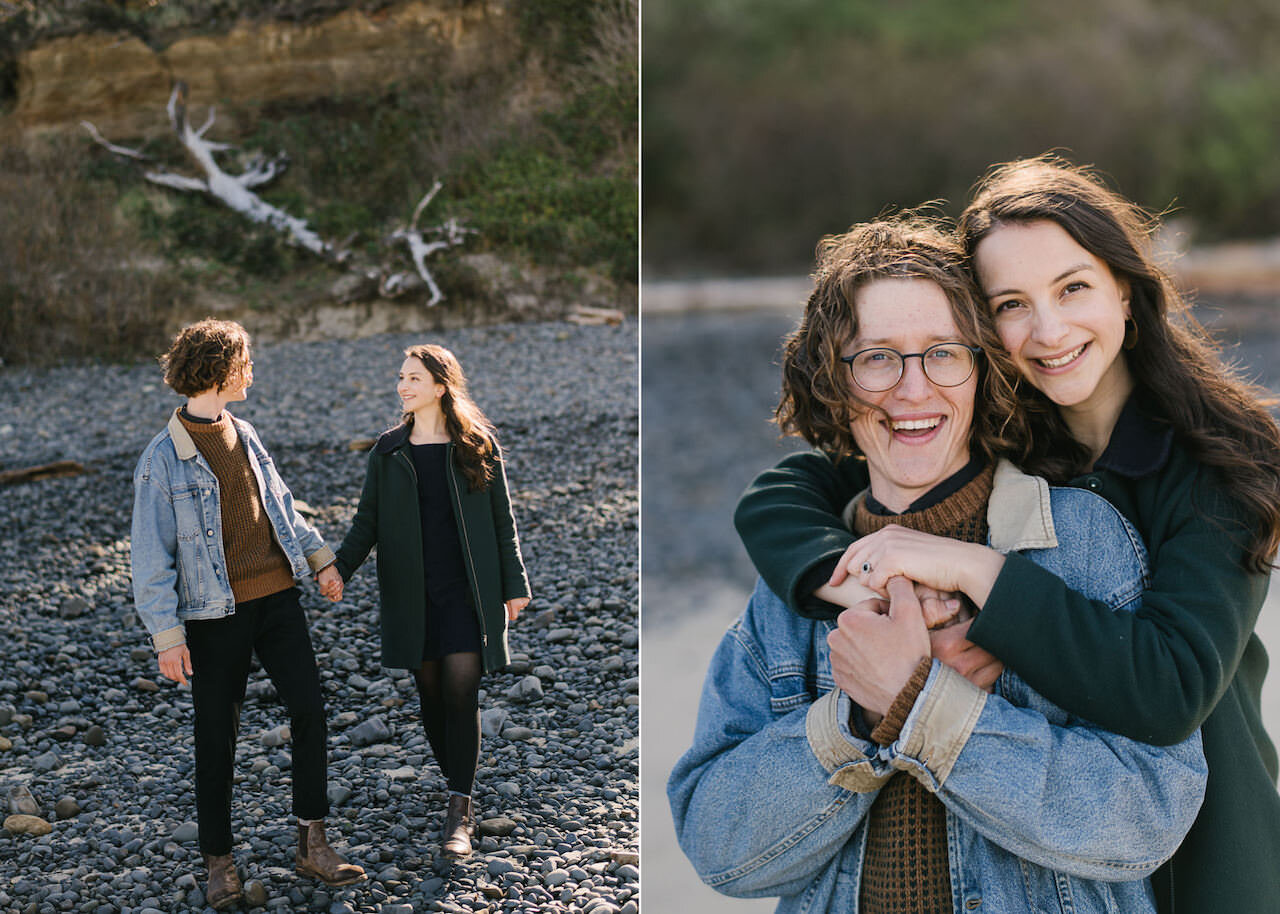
(457, 509)
(466, 542)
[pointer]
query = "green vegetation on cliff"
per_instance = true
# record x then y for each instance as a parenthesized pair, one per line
(768, 124)
(96, 261)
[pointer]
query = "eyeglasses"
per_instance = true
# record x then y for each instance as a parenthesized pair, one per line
(880, 369)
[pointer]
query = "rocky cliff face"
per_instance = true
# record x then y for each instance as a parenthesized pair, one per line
(120, 83)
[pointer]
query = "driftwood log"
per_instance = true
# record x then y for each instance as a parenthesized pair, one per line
(587, 315)
(236, 192)
(43, 471)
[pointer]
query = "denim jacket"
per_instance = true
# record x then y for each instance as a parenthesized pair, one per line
(179, 568)
(1044, 811)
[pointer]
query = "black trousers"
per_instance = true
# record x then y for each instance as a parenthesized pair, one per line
(275, 628)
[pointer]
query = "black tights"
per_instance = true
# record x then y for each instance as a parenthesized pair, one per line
(449, 689)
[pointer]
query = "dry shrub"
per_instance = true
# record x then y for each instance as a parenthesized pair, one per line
(610, 64)
(69, 284)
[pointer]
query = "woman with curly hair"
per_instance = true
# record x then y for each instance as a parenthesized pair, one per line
(1125, 396)
(217, 547)
(875, 775)
(450, 575)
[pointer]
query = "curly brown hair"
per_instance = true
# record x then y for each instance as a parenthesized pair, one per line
(472, 433)
(818, 400)
(205, 355)
(1221, 419)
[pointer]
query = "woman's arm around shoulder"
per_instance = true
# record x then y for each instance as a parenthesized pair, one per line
(1156, 673)
(789, 518)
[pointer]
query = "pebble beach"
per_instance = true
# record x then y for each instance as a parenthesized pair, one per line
(96, 746)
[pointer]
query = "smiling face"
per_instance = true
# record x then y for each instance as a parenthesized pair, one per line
(916, 434)
(417, 387)
(1060, 313)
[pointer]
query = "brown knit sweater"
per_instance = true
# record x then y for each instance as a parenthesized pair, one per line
(256, 565)
(906, 869)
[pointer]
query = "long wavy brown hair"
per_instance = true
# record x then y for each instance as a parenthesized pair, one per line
(1219, 417)
(475, 444)
(818, 399)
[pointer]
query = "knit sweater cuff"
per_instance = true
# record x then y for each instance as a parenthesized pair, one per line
(890, 725)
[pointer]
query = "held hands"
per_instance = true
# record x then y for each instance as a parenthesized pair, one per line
(873, 654)
(330, 583)
(939, 608)
(951, 646)
(941, 563)
(874, 651)
(515, 606)
(175, 662)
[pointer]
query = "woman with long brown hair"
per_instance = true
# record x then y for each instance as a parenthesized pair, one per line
(450, 575)
(1127, 397)
(878, 777)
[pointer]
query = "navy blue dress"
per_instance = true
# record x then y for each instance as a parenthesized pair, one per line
(452, 626)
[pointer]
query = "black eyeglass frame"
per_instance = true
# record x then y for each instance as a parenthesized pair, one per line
(902, 364)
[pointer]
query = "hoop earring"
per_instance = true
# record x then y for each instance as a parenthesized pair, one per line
(1130, 333)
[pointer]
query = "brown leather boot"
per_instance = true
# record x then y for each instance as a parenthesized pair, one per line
(317, 858)
(224, 887)
(459, 826)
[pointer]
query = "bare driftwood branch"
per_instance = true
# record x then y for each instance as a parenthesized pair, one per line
(423, 203)
(112, 147)
(232, 191)
(235, 192)
(42, 471)
(177, 182)
(420, 249)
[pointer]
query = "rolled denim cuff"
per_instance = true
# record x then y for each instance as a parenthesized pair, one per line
(170, 637)
(939, 726)
(851, 768)
(320, 559)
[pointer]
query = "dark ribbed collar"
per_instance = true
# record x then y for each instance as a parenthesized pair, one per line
(1140, 442)
(197, 420)
(949, 486)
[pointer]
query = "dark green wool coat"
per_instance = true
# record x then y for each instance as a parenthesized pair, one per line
(387, 517)
(1187, 658)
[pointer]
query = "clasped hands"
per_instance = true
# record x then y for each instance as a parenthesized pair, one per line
(175, 662)
(330, 583)
(880, 639)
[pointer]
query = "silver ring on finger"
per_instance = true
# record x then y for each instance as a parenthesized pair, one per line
(866, 568)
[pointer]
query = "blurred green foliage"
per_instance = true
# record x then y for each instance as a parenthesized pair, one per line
(768, 125)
